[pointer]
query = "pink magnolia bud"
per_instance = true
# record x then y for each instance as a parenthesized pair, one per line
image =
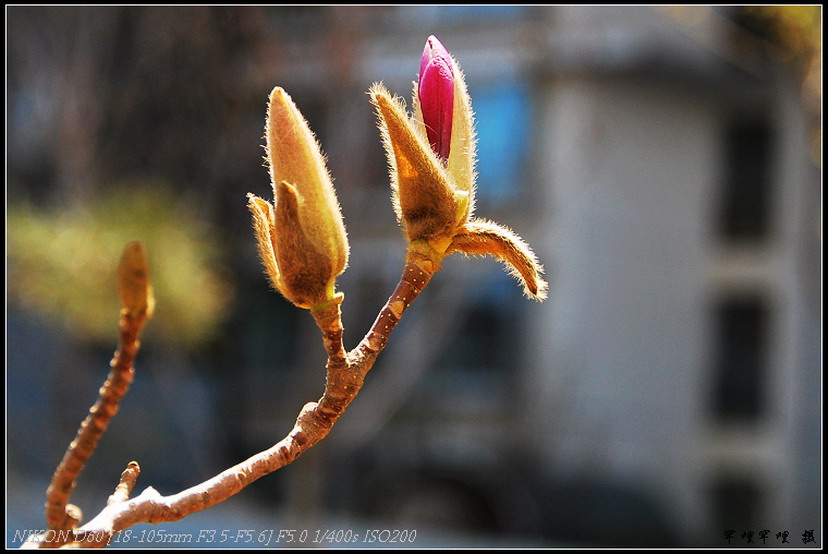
(436, 94)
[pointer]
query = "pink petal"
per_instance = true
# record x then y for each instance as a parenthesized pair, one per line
(433, 49)
(436, 92)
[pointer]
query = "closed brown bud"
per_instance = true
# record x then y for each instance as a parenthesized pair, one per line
(301, 239)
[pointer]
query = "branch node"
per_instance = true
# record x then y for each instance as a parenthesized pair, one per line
(126, 484)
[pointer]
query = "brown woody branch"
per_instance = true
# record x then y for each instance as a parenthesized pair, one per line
(345, 375)
(137, 305)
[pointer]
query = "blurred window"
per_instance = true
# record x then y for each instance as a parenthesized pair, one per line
(736, 506)
(744, 214)
(503, 116)
(487, 338)
(741, 326)
(475, 373)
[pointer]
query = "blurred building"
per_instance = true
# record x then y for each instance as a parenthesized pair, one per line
(678, 353)
(658, 161)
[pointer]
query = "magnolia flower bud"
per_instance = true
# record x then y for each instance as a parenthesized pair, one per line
(432, 176)
(436, 94)
(301, 239)
(431, 156)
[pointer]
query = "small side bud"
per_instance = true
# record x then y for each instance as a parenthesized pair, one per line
(262, 212)
(134, 285)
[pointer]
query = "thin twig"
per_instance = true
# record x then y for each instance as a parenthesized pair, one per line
(137, 303)
(126, 484)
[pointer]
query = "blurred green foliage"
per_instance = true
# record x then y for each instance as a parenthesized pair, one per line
(62, 264)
